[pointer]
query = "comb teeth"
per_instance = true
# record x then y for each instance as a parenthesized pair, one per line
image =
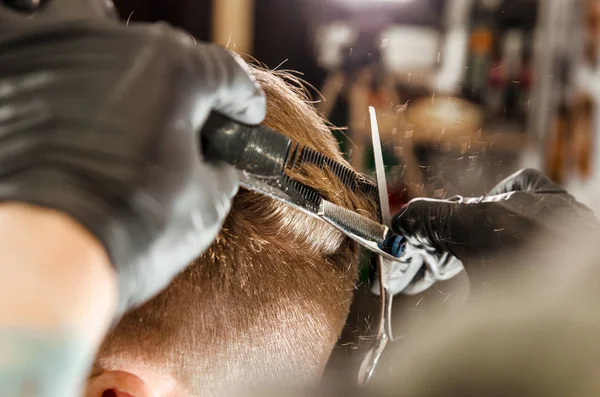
(351, 179)
(369, 189)
(345, 174)
(312, 198)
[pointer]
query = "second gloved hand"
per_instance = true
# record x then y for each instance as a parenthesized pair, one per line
(475, 229)
(100, 121)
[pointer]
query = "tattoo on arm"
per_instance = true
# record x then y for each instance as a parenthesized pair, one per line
(38, 364)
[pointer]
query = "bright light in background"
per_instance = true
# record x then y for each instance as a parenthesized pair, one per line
(369, 3)
(454, 53)
(410, 48)
(332, 40)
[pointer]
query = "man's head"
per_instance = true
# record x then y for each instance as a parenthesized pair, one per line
(265, 304)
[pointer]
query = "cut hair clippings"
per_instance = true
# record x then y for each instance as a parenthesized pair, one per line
(266, 161)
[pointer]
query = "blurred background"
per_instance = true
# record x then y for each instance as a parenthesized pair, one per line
(467, 91)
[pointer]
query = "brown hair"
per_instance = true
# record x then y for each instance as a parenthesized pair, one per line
(270, 297)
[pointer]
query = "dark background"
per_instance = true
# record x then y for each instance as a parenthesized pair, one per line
(283, 27)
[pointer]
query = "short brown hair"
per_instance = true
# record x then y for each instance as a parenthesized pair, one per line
(270, 297)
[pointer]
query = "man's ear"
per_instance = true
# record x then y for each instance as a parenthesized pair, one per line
(117, 384)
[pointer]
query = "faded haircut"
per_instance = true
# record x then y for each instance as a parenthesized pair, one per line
(268, 301)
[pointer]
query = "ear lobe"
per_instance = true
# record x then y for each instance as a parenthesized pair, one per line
(117, 384)
(115, 393)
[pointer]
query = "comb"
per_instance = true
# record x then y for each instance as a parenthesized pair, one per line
(366, 232)
(312, 199)
(260, 150)
(352, 180)
(262, 156)
(256, 150)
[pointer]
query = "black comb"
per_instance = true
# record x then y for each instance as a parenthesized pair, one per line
(256, 150)
(312, 199)
(350, 179)
(264, 152)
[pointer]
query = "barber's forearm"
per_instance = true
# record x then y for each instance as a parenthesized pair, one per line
(53, 273)
(57, 297)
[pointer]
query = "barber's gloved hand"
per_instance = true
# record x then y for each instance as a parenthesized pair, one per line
(473, 229)
(100, 121)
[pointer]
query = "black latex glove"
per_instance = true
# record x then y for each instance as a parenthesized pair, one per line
(100, 121)
(474, 229)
